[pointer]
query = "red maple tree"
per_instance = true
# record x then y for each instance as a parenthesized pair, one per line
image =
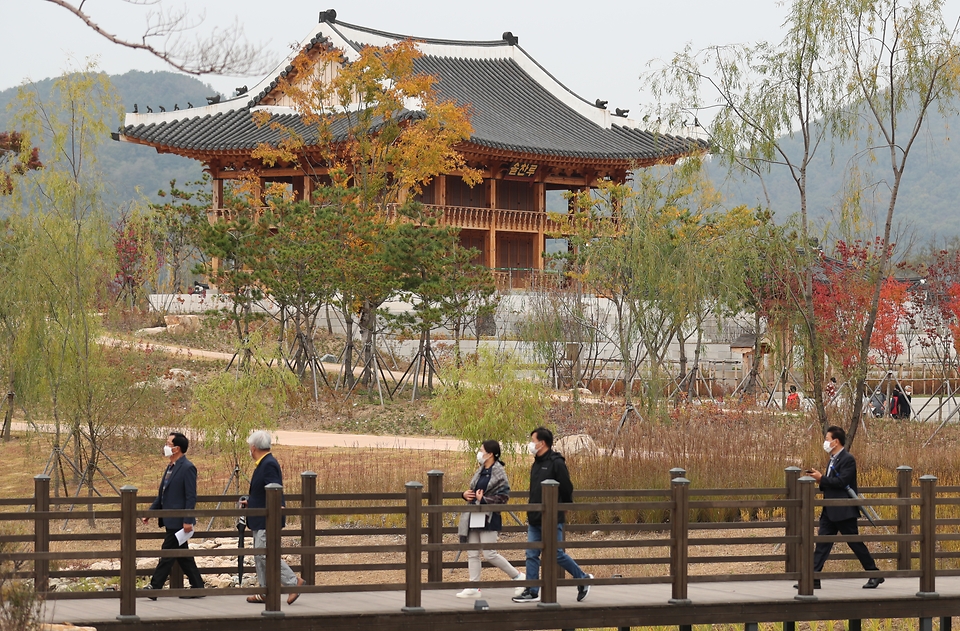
(842, 294)
(15, 159)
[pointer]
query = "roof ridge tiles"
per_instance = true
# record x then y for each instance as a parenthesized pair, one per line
(415, 38)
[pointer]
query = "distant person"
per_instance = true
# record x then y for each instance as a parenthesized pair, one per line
(548, 465)
(793, 399)
(841, 475)
(876, 404)
(899, 403)
(267, 471)
(489, 485)
(830, 390)
(178, 490)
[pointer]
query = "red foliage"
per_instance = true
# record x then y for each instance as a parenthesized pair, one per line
(842, 294)
(134, 265)
(13, 161)
(937, 311)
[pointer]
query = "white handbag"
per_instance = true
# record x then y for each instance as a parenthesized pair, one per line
(478, 520)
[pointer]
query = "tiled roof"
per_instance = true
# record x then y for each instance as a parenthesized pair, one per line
(516, 106)
(512, 111)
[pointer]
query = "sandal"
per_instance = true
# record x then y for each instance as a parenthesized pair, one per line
(256, 598)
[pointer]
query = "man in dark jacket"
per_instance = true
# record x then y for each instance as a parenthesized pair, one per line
(178, 489)
(548, 465)
(841, 475)
(267, 471)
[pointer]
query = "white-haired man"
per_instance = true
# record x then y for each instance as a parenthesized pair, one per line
(266, 471)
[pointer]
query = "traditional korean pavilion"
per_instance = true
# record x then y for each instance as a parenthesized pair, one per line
(533, 138)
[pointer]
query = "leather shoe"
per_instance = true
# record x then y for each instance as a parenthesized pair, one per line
(150, 587)
(872, 583)
(816, 584)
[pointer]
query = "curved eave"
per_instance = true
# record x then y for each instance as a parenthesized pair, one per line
(577, 158)
(470, 150)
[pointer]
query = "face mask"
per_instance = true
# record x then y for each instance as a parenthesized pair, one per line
(826, 446)
(481, 457)
(532, 449)
(167, 451)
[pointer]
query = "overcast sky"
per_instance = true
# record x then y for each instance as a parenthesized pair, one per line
(598, 49)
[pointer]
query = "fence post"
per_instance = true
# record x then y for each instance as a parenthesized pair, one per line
(904, 492)
(41, 532)
(274, 526)
(549, 519)
(308, 527)
(792, 518)
(677, 472)
(679, 526)
(435, 526)
(928, 537)
(805, 550)
(128, 554)
(414, 547)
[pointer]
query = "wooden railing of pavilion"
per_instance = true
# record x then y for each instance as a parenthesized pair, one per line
(785, 541)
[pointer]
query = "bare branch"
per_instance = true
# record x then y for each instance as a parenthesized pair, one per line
(224, 51)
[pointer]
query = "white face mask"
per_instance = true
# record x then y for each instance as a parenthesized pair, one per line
(167, 451)
(481, 457)
(826, 446)
(532, 448)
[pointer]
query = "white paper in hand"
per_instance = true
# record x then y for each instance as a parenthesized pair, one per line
(183, 536)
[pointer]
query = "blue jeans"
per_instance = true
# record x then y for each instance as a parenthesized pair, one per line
(534, 533)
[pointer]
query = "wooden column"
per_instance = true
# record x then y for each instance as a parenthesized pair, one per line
(414, 588)
(549, 518)
(217, 200)
(128, 554)
(259, 194)
(540, 206)
(805, 591)
(679, 535)
(792, 514)
(904, 491)
(41, 532)
(308, 527)
(539, 246)
(299, 184)
(928, 537)
(308, 188)
(435, 526)
(440, 190)
(492, 235)
(272, 574)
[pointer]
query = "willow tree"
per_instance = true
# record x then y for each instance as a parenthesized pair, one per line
(634, 245)
(21, 323)
(841, 61)
(72, 262)
(901, 60)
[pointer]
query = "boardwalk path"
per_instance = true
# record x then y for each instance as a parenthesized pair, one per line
(607, 606)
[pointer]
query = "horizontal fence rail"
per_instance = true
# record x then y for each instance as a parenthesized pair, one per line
(640, 536)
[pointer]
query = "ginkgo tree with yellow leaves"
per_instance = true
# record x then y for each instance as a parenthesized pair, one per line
(372, 132)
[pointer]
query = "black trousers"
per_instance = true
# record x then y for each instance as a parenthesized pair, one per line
(187, 564)
(843, 527)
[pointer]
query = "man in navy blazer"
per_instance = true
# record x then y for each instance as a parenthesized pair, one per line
(178, 489)
(266, 471)
(841, 475)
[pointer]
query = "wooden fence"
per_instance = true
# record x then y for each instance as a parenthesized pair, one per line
(656, 518)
